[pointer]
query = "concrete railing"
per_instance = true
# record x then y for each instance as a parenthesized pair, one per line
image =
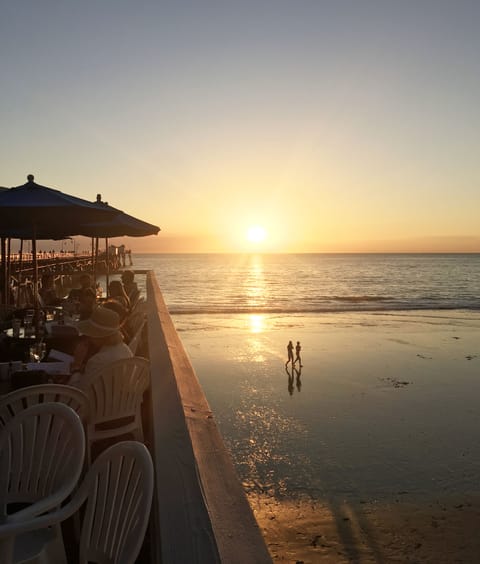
(200, 511)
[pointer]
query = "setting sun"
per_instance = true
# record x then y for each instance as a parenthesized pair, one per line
(256, 234)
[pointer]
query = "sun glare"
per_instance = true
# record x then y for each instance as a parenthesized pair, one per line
(256, 234)
(256, 323)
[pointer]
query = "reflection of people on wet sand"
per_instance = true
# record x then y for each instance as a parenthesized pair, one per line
(290, 382)
(298, 348)
(298, 381)
(291, 377)
(290, 353)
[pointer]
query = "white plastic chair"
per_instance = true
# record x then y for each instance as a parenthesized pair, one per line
(136, 299)
(135, 320)
(18, 400)
(42, 451)
(117, 492)
(136, 340)
(138, 304)
(115, 395)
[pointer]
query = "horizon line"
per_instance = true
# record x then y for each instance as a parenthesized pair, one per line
(307, 252)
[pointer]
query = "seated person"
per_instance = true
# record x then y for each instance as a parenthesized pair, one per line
(85, 284)
(118, 294)
(102, 344)
(122, 314)
(83, 298)
(130, 286)
(47, 292)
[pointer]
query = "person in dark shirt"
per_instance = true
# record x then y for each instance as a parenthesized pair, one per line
(298, 348)
(289, 353)
(83, 298)
(130, 286)
(117, 292)
(85, 284)
(47, 292)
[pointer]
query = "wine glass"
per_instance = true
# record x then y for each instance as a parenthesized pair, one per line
(37, 352)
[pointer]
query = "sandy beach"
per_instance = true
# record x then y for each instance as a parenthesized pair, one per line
(442, 531)
(372, 455)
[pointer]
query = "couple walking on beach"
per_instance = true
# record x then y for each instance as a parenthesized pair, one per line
(298, 348)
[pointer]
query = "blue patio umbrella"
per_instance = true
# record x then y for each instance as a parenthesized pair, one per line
(119, 224)
(34, 211)
(32, 208)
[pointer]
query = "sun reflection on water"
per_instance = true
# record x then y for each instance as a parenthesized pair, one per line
(264, 446)
(254, 284)
(256, 323)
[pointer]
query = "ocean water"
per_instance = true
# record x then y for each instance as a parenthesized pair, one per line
(315, 283)
(386, 405)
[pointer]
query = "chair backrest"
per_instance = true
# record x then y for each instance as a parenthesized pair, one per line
(119, 490)
(135, 320)
(116, 390)
(139, 304)
(18, 400)
(42, 450)
(136, 340)
(134, 298)
(116, 497)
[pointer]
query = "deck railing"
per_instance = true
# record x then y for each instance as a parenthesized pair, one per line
(200, 512)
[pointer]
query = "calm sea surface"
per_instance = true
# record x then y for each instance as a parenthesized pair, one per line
(315, 283)
(345, 429)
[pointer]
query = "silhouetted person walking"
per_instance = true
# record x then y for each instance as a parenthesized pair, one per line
(290, 353)
(298, 348)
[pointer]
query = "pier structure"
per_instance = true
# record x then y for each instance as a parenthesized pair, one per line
(65, 263)
(17, 270)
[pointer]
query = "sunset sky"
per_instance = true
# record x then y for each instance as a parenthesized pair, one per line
(328, 125)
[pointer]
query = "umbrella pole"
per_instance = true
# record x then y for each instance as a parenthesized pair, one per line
(4, 272)
(35, 276)
(92, 258)
(96, 261)
(108, 267)
(9, 268)
(20, 264)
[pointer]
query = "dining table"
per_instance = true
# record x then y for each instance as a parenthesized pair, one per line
(28, 358)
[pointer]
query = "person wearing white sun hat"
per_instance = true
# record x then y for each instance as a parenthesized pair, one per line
(103, 344)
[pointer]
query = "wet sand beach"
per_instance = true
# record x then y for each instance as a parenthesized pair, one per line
(372, 454)
(442, 531)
